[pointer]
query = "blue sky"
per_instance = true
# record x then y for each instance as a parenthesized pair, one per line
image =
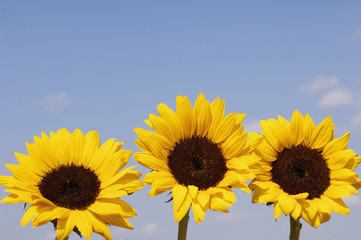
(106, 65)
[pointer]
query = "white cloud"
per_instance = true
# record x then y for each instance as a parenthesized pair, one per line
(336, 98)
(50, 236)
(356, 121)
(150, 228)
(320, 83)
(55, 102)
(253, 126)
(356, 34)
(231, 217)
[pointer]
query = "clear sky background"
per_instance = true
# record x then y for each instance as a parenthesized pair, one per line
(105, 65)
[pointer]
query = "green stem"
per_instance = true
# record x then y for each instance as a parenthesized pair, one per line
(295, 228)
(182, 227)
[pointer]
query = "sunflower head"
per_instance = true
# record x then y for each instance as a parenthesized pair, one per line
(306, 170)
(72, 181)
(199, 154)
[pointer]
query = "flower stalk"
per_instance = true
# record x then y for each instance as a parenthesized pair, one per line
(182, 227)
(295, 228)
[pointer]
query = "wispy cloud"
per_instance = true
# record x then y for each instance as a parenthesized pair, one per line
(356, 121)
(336, 98)
(55, 101)
(150, 228)
(356, 34)
(50, 236)
(320, 83)
(253, 126)
(231, 217)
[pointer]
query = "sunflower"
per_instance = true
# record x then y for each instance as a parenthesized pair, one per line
(306, 170)
(198, 154)
(74, 182)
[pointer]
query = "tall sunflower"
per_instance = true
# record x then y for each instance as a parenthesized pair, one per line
(74, 182)
(199, 154)
(307, 171)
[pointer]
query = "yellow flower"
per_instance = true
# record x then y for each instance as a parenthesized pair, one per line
(307, 171)
(199, 154)
(73, 181)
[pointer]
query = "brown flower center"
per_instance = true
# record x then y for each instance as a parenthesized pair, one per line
(301, 169)
(197, 161)
(70, 186)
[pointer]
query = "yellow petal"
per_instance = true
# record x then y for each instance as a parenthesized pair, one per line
(356, 163)
(296, 213)
(61, 145)
(83, 223)
(154, 143)
(150, 161)
(254, 140)
(180, 194)
(65, 226)
(219, 204)
(286, 203)
(110, 206)
(334, 191)
(193, 190)
(270, 137)
(172, 119)
(227, 194)
(266, 152)
(181, 201)
(217, 108)
(296, 128)
(337, 205)
(164, 184)
(102, 153)
(341, 159)
(281, 132)
(37, 160)
(271, 195)
(116, 177)
(225, 128)
(29, 214)
(77, 146)
(230, 178)
(300, 196)
(233, 146)
(203, 198)
(100, 227)
(154, 176)
(91, 145)
(336, 145)
(113, 164)
(203, 115)
(116, 220)
(43, 155)
(308, 129)
(48, 213)
(236, 164)
(186, 115)
(7, 181)
(23, 174)
(163, 128)
(198, 211)
(323, 134)
(277, 210)
(345, 175)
